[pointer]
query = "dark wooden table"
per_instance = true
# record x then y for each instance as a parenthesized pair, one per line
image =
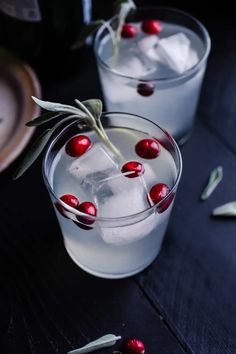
(185, 301)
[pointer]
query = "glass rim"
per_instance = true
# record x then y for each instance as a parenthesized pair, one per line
(174, 79)
(119, 218)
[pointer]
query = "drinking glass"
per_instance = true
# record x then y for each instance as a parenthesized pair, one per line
(112, 246)
(173, 99)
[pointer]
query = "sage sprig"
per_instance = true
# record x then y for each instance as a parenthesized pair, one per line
(214, 179)
(122, 9)
(88, 112)
(228, 209)
(102, 342)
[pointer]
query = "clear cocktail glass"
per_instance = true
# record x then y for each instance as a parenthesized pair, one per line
(126, 233)
(156, 75)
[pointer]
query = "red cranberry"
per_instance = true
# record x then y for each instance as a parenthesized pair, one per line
(133, 346)
(145, 89)
(165, 204)
(128, 31)
(78, 145)
(136, 169)
(151, 26)
(68, 199)
(148, 148)
(87, 208)
(157, 193)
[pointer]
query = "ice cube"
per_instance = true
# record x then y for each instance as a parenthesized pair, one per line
(147, 44)
(131, 66)
(96, 164)
(120, 196)
(175, 51)
(192, 60)
(135, 65)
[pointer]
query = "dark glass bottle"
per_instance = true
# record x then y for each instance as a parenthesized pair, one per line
(42, 32)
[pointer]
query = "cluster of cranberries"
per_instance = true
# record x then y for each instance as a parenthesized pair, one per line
(76, 147)
(146, 149)
(150, 27)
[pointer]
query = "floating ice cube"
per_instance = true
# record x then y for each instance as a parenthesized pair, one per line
(120, 197)
(130, 66)
(96, 164)
(174, 51)
(147, 44)
(135, 65)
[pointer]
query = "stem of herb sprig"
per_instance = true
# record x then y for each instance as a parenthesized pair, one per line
(98, 128)
(107, 142)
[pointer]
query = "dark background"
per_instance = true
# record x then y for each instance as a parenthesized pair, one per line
(185, 301)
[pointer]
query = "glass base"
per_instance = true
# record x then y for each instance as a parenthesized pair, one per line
(110, 275)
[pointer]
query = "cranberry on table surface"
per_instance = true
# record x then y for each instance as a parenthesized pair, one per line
(128, 31)
(135, 168)
(148, 148)
(78, 145)
(145, 89)
(151, 26)
(133, 346)
(87, 208)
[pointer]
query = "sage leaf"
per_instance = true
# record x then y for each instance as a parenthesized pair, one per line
(214, 179)
(44, 118)
(57, 107)
(117, 4)
(33, 153)
(87, 31)
(94, 106)
(83, 115)
(125, 7)
(102, 342)
(228, 209)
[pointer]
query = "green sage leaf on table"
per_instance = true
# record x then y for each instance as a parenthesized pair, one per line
(228, 209)
(102, 342)
(214, 179)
